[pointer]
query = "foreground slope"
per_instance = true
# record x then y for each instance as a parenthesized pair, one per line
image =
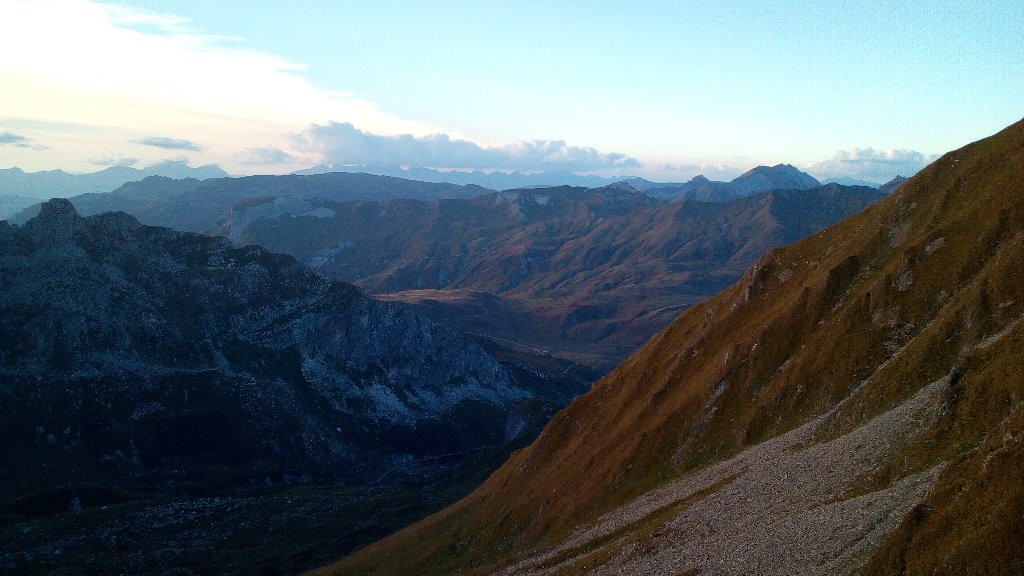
(854, 404)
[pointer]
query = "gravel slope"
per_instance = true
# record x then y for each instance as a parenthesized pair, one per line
(786, 506)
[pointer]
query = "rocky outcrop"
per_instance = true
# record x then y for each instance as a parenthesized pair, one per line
(133, 348)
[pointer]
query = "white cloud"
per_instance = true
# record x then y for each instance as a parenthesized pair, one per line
(344, 144)
(170, 143)
(18, 141)
(872, 165)
(128, 73)
(88, 77)
(265, 156)
(114, 161)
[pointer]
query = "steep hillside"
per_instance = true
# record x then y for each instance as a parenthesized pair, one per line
(853, 405)
(140, 363)
(587, 275)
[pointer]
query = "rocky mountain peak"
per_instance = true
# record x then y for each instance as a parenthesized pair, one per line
(59, 209)
(57, 220)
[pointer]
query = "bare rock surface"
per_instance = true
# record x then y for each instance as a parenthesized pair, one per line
(785, 506)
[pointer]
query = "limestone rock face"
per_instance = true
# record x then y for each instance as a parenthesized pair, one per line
(134, 349)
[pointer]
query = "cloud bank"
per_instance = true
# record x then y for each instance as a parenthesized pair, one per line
(114, 161)
(18, 141)
(344, 144)
(170, 143)
(870, 164)
(134, 73)
(263, 156)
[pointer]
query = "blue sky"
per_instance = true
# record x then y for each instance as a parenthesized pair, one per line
(862, 88)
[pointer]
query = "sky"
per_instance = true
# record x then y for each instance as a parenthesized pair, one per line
(664, 90)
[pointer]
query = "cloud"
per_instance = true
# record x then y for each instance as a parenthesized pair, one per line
(263, 156)
(135, 73)
(18, 141)
(344, 144)
(170, 143)
(114, 161)
(872, 165)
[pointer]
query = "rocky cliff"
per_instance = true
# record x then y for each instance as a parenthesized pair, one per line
(136, 359)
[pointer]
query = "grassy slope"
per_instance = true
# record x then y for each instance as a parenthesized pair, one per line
(873, 309)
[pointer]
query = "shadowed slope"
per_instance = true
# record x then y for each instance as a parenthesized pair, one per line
(926, 287)
(594, 273)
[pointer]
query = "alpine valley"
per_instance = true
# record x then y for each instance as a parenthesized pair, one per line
(854, 404)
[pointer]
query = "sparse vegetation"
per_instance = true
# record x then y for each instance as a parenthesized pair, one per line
(868, 311)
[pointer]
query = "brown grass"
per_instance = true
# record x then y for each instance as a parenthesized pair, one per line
(871, 309)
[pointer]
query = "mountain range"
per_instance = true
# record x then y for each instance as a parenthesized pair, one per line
(19, 189)
(853, 405)
(496, 180)
(753, 181)
(198, 206)
(144, 370)
(585, 275)
(60, 184)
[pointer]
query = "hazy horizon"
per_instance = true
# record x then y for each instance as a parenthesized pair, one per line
(663, 91)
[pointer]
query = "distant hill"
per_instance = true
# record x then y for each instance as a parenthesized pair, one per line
(60, 184)
(853, 405)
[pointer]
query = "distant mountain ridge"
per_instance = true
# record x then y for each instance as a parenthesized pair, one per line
(849, 181)
(754, 181)
(496, 180)
(199, 205)
(60, 184)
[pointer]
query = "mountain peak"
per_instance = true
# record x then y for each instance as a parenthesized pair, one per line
(892, 184)
(56, 221)
(777, 169)
(58, 208)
